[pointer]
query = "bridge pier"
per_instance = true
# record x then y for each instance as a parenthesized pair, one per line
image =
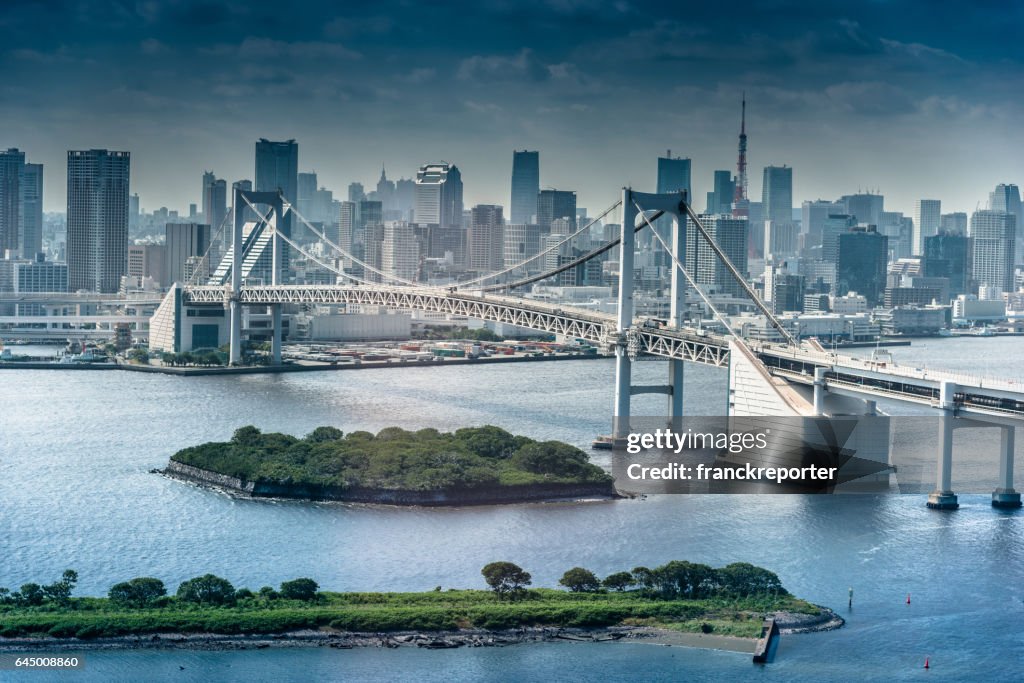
(235, 311)
(624, 320)
(819, 390)
(275, 343)
(943, 498)
(1005, 496)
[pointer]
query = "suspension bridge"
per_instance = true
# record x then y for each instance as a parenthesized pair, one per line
(765, 379)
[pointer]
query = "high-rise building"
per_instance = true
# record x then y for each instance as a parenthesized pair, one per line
(39, 275)
(867, 208)
(521, 242)
(862, 263)
(834, 226)
(32, 210)
(356, 193)
(485, 240)
(552, 204)
(215, 202)
(147, 260)
(438, 196)
(720, 199)
(277, 168)
(674, 175)
(12, 168)
(948, 255)
(185, 241)
(777, 194)
(730, 233)
(305, 194)
(927, 219)
(1006, 198)
(525, 186)
(97, 218)
(993, 245)
(812, 218)
(954, 223)
(400, 253)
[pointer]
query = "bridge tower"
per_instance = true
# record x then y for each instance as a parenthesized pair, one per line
(238, 255)
(674, 206)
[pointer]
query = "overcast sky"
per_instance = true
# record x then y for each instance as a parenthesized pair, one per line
(917, 99)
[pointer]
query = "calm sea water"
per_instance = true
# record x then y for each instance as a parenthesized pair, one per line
(75, 491)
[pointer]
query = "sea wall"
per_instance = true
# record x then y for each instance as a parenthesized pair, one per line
(481, 496)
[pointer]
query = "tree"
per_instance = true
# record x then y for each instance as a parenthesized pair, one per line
(644, 577)
(619, 581)
(30, 594)
(580, 580)
(140, 356)
(246, 436)
(551, 457)
(138, 592)
(506, 579)
(742, 578)
(322, 434)
(60, 591)
(207, 590)
(299, 589)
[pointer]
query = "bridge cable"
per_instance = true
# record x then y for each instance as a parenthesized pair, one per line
(536, 256)
(565, 266)
(739, 277)
(675, 259)
(341, 251)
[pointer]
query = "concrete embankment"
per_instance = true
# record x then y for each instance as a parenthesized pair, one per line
(481, 496)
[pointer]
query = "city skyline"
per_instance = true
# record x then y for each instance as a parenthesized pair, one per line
(850, 97)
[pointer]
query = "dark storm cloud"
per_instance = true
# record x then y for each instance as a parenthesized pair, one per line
(600, 87)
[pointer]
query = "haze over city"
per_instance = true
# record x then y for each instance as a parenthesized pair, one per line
(876, 96)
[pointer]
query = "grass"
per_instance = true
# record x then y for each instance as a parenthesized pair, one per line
(383, 612)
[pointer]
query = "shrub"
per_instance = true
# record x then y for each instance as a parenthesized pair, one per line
(299, 589)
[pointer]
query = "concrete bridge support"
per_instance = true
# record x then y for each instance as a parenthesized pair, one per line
(623, 363)
(943, 498)
(1005, 496)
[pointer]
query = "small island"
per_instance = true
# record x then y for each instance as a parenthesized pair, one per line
(678, 603)
(472, 466)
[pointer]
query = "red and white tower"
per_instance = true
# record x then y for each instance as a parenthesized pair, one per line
(740, 203)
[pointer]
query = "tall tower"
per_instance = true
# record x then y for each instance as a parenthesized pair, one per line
(525, 186)
(740, 207)
(97, 219)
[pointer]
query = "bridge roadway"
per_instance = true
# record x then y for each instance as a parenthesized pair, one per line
(843, 374)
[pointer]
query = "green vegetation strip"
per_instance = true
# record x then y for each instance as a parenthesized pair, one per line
(678, 595)
(425, 460)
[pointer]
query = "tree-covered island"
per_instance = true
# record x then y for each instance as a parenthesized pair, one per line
(677, 597)
(476, 465)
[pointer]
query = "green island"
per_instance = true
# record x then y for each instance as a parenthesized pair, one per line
(678, 596)
(476, 465)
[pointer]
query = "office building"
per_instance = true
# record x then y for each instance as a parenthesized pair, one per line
(834, 226)
(730, 233)
(31, 210)
(305, 194)
(400, 253)
(777, 195)
(438, 195)
(40, 275)
(552, 204)
(184, 241)
(862, 263)
(215, 203)
(147, 260)
(674, 175)
(97, 219)
(720, 199)
(525, 186)
(12, 167)
(866, 208)
(485, 240)
(948, 255)
(927, 220)
(954, 223)
(993, 247)
(277, 168)
(521, 241)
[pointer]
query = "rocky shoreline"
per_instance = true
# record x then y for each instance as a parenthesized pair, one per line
(789, 623)
(537, 493)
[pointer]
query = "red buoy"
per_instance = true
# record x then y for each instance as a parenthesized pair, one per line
(926, 663)
(908, 598)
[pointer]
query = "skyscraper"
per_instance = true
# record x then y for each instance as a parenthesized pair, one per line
(948, 255)
(730, 233)
(867, 208)
(277, 168)
(31, 210)
(486, 239)
(215, 201)
(812, 219)
(525, 186)
(438, 195)
(305, 193)
(927, 219)
(552, 204)
(861, 267)
(721, 197)
(12, 165)
(400, 253)
(777, 195)
(185, 241)
(993, 245)
(97, 218)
